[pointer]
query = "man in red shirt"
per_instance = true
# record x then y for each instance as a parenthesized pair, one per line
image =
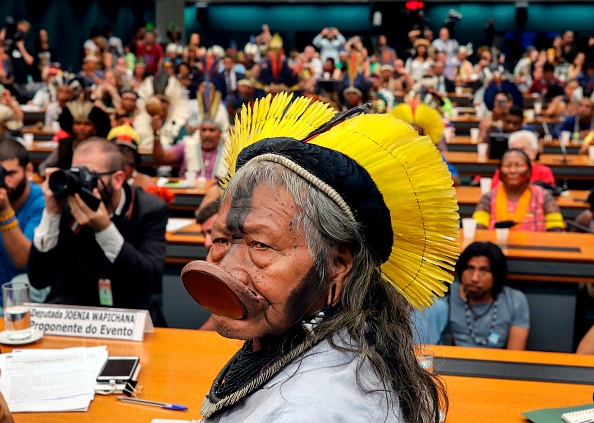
(150, 52)
(541, 85)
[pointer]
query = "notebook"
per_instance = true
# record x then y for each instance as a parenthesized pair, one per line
(582, 416)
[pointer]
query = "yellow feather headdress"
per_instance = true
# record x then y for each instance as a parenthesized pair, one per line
(423, 116)
(407, 169)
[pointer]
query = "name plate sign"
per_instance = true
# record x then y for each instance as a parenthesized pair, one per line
(91, 322)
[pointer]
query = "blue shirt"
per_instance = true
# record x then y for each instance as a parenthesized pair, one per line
(569, 125)
(29, 216)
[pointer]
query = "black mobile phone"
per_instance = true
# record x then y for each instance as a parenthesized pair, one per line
(119, 369)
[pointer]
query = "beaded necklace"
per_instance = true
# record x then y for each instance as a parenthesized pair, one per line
(467, 311)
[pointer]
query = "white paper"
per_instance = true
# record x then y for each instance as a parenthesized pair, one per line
(174, 224)
(50, 380)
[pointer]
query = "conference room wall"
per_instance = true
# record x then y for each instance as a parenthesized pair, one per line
(69, 22)
(299, 23)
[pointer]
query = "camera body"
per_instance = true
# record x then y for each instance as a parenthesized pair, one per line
(2, 176)
(77, 180)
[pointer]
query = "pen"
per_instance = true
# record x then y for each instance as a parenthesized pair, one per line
(165, 405)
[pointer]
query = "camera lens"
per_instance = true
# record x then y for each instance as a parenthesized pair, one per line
(62, 183)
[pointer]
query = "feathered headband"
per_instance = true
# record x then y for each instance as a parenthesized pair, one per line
(423, 116)
(378, 171)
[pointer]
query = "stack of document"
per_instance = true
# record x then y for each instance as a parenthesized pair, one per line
(50, 380)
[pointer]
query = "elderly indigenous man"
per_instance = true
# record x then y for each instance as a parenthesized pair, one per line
(323, 233)
(21, 206)
(201, 153)
(109, 256)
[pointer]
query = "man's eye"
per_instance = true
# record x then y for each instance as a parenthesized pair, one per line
(222, 241)
(260, 245)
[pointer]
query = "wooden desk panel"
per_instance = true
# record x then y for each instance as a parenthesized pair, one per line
(180, 365)
(463, 143)
(570, 206)
(576, 166)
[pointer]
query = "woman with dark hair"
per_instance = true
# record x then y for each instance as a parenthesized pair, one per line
(515, 199)
(418, 65)
(483, 311)
(43, 55)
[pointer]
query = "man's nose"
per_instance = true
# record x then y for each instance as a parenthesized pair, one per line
(235, 262)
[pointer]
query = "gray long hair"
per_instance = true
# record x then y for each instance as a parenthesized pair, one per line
(375, 315)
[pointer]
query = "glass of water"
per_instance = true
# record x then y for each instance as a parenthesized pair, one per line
(425, 359)
(17, 310)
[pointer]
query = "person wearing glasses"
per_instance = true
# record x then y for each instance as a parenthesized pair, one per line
(111, 257)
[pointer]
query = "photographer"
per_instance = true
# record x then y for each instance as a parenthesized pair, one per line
(328, 42)
(15, 47)
(21, 206)
(120, 247)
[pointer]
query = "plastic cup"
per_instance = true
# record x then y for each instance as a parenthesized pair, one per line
(28, 138)
(17, 310)
(425, 358)
(201, 182)
(591, 152)
(482, 150)
(529, 115)
(474, 135)
(191, 178)
(565, 137)
(455, 113)
(469, 227)
(548, 139)
(537, 107)
(459, 91)
(501, 234)
(486, 185)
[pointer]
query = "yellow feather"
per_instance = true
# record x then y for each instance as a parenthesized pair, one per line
(424, 116)
(278, 117)
(417, 188)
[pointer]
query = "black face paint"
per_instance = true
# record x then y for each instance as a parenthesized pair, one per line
(308, 290)
(241, 206)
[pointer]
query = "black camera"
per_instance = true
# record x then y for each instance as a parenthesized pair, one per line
(78, 180)
(2, 176)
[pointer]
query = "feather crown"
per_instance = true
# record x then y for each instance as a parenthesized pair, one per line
(391, 180)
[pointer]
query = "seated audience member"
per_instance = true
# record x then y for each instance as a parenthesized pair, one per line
(82, 120)
(127, 139)
(580, 125)
(21, 206)
(509, 121)
(531, 207)
(548, 79)
(202, 153)
(11, 115)
(483, 311)
(54, 109)
(207, 105)
(566, 104)
(110, 257)
(585, 218)
(586, 345)
(527, 141)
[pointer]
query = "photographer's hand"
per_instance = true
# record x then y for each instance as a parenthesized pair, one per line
(96, 220)
(53, 205)
(5, 206)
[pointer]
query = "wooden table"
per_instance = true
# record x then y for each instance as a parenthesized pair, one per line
(463, 143)
(547, 267)
(42, 149)
(180, 365)
(40, 133)
(575, 167)
(570, 205)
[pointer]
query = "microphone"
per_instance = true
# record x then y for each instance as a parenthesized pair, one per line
(578, 226)
(505, 224)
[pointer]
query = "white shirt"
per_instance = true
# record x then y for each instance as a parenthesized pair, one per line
(109, 239)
